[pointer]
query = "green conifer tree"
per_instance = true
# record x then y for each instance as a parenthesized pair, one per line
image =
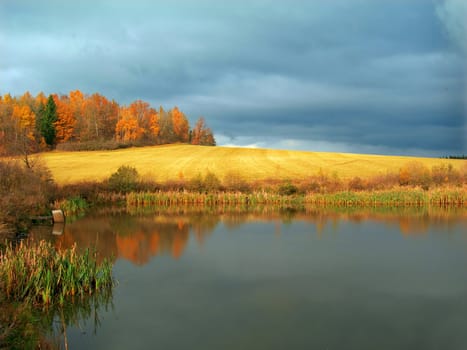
(48, 116)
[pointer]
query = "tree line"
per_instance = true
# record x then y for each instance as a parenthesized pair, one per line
(31, 124)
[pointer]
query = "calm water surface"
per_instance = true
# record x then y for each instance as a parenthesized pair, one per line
(277, 279)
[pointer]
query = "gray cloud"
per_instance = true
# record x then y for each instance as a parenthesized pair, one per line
(349, 75)
(453, 14)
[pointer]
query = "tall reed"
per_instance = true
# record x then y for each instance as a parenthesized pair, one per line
(44, 275)
(396, 197)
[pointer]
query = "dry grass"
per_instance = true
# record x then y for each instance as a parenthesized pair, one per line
(177, 162)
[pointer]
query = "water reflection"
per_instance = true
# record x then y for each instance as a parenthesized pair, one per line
(27, 326)
(268, 278)
(139, 236)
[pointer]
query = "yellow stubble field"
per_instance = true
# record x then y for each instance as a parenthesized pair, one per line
(174, 162)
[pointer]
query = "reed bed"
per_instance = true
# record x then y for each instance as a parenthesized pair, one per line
(160, 198)
(385, 198)
(396, 197)
(39, 273)
(72, 206)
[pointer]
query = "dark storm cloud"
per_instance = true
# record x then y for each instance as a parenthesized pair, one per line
(348, 75)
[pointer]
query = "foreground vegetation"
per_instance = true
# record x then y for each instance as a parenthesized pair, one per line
(37, 272)
(36, 278)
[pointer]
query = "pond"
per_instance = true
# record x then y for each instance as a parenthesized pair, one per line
(276, 279)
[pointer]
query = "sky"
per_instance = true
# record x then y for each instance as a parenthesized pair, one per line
(359, 76)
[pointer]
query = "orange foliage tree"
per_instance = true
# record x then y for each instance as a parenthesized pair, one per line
(127, 128)
(202, 135)
(65, 124)
(181, 127)
(25, 121)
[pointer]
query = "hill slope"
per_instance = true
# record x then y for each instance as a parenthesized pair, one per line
(172, 162)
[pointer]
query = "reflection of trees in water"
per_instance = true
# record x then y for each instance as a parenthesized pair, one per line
(143, 234)
(147, 238)
(92, 231)
(409, 220)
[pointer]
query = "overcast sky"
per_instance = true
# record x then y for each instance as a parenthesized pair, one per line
(371, 76)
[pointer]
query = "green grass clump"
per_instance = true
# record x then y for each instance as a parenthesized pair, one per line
(72, 206)
(39, 273)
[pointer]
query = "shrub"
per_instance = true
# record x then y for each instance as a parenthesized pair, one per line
(125, 179)
(233, 181)
(87, 190)
(383, 182)
(196, 183)
(23, 192)
(322, 183)
(287, 189)
(356, 184)
(415, 174)
(463, 172)
(445, 173)
(212, 182)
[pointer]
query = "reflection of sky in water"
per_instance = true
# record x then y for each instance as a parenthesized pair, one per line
(312, 282)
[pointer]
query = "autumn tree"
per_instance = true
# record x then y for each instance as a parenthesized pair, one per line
(180, 124)
(100, 117)
(24, 142)
(40, 99)
(66, 121)
(201, 134)
(76, 101)
(154, 125)
(25, 119)
(147, 118)
(45, 122)
(17, 126)
(166, 134)
(127, 128)
(138, 122)
(6, 122)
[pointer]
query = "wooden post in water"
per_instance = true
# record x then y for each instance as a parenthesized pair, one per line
(58, 228)
(58, 216)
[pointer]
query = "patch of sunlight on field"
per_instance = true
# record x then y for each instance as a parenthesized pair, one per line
(173, 162)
